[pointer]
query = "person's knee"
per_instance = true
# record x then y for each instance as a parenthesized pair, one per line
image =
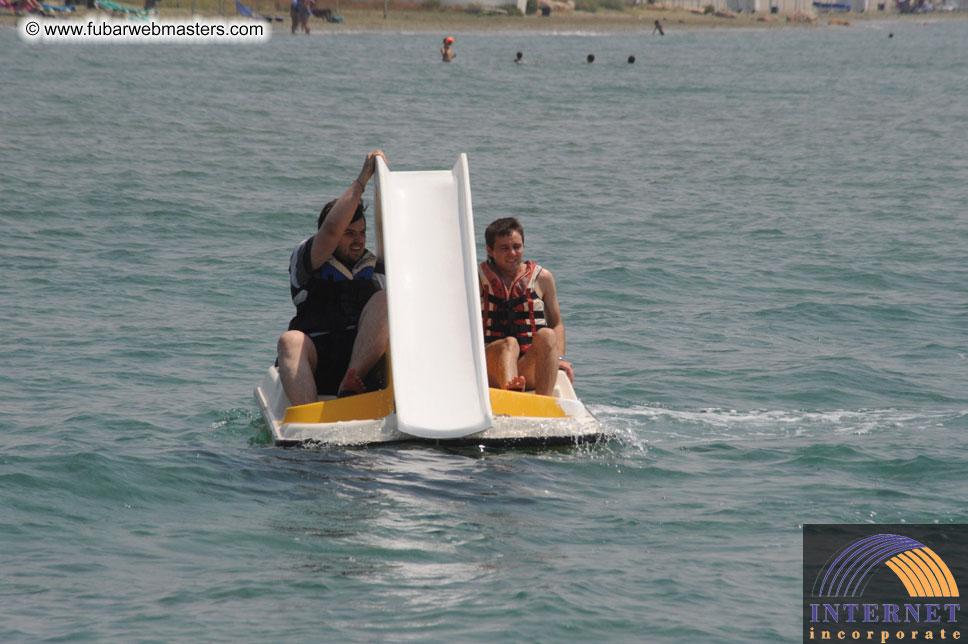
(545, 340)
(502, 349)
(291, 343)
(377, 304)
(509, 346)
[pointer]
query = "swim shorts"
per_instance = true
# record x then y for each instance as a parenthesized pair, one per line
(333, 351)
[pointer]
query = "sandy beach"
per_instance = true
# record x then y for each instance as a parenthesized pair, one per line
(637, 19)
(412, 18)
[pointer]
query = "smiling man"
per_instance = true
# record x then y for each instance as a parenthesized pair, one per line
(523, 331)
(339, 332)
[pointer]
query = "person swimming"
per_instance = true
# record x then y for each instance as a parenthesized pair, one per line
(446, 53)
(519, 58)
(590, 59)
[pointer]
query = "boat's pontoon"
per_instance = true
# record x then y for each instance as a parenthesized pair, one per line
(518, 419)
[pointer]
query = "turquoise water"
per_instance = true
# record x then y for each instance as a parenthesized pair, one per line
(760, 241)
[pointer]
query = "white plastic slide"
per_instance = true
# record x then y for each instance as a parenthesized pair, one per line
(436, 345)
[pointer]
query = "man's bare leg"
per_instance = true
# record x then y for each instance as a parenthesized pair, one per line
(502, 364)
(540, 364)
(297, 364)
(372, 336)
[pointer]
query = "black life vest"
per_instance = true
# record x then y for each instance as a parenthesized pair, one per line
(518, 312)
(331, 298)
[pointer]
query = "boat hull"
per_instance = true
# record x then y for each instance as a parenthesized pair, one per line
(572, 425)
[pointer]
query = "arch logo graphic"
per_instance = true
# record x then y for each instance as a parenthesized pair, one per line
(887, 583)
(919, 568)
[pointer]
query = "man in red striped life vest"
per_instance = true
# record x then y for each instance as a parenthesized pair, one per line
(523, 331)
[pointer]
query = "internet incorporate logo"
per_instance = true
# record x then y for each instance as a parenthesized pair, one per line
(907, 587)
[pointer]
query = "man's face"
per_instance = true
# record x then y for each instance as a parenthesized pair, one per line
(351, 245)
(508, 251)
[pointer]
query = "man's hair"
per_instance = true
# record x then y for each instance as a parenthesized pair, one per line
(500, 228)
(360, 212)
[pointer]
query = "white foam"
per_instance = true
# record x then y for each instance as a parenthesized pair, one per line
(683, 425)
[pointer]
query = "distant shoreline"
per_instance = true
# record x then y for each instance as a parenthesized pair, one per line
(636, 19)
(639, 19)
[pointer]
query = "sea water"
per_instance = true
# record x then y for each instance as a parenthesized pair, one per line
(760, 243)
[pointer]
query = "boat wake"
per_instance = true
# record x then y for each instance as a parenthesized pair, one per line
(656, 425)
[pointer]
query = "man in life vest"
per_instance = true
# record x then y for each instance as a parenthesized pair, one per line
(340, 331)
(523, 331)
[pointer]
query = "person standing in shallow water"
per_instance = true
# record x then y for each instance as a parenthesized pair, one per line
(446, 53)
(524, 334)
(299, 12)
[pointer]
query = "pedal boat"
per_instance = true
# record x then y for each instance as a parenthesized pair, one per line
(519, 419)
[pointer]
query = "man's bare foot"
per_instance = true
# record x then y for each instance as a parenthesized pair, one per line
(517, 383)
(352, 384)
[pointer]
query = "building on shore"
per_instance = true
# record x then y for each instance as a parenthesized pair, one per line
(486, 4)
(785, 7)
(800, 8)
(815, 7)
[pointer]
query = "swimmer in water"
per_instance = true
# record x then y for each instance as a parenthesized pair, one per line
(446, 53)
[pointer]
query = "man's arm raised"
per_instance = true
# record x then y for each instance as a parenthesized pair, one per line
(328, 235)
